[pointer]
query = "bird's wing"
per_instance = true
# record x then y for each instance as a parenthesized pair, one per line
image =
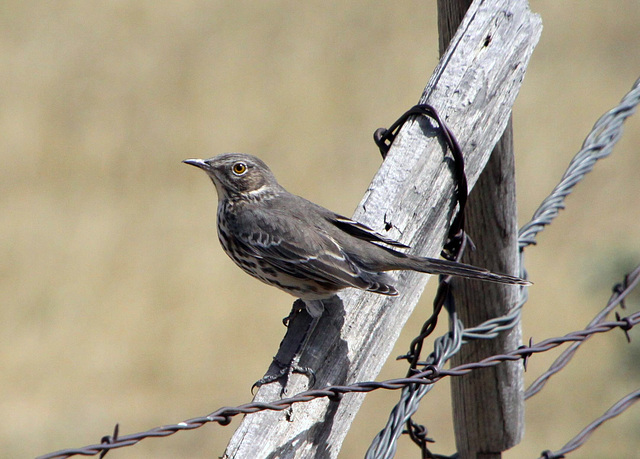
(362, 231)
(285, 246)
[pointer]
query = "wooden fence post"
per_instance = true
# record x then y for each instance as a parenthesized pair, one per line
(488, 405)
(473, 89)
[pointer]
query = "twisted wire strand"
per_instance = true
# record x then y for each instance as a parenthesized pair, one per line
(430, 375)
(580, 439)
(598, 144)
(620, 291)
(384, 445)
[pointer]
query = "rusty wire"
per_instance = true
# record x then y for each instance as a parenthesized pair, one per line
(223, 416)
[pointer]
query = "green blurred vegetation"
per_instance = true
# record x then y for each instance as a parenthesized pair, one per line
(118, 304)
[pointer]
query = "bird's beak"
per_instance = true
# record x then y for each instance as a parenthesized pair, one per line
(197, 162)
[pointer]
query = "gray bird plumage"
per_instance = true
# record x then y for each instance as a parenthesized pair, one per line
(302, 248)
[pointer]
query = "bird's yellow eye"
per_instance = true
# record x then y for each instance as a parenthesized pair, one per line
(239, 168)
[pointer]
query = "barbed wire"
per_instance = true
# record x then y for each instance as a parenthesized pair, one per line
(430, 375)
(598, 144)
(620, 292)
(584, 435)
(598, 325)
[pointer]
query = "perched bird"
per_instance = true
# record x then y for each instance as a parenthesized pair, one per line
(303, 248)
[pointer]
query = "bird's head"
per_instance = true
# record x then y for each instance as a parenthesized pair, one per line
(237, 175)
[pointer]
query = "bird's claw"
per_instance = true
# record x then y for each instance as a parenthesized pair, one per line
(297, 307)
(285, 373)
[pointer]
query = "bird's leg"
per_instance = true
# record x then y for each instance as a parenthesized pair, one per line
(314, 308)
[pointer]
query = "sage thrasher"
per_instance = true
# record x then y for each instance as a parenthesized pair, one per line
(302, 248)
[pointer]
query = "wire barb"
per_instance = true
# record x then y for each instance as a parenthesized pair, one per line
(109, 439)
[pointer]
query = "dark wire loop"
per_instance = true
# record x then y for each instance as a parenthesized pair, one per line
(384, 139)
(418, 433)
(453, 249)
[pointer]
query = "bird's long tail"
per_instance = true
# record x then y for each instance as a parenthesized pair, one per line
(452, 268)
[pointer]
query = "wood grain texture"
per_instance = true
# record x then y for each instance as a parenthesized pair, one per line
(473, 88)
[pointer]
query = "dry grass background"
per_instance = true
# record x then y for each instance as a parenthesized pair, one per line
(118, 304)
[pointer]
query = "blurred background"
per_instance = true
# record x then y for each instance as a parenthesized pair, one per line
(117, 302)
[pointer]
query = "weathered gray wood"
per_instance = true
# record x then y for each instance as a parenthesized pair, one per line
(488, 405)
(473, 88)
